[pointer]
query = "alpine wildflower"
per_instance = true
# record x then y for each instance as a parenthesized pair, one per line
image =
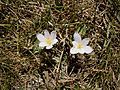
(79, 45)
(47, 40)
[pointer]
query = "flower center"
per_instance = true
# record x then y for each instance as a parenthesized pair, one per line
(79, 45)
(48, 41)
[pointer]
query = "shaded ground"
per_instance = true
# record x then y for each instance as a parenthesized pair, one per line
(25, 66)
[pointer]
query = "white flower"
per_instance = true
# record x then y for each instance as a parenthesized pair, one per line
(79, 45)
(47, 40)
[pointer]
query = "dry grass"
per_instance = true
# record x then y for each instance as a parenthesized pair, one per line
(25, 66)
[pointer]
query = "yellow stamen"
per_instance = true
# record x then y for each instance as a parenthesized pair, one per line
(48, 41)
(79, 45)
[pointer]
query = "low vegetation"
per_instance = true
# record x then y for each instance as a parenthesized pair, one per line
(26, 66)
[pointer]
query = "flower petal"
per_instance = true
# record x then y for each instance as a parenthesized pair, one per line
(81, 51)
(53, 34)
(46, 34)
(85, 41)
(74, 43)
(87, 49)
(49, 47)
(73, 50)
(42, 44)
(77, 37)
(54, 41)
(40, 37)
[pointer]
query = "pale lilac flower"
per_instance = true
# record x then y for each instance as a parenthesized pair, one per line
(47, 40)
(79, 45)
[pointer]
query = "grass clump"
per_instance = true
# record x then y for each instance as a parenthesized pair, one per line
(24, 65)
